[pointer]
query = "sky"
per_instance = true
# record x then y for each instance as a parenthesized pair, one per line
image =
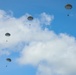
(45, 45)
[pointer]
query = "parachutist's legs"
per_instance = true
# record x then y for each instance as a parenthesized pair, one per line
(6, 40)
(6, 65)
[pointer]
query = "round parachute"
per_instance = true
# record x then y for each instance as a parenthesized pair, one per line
(68, 6)
(8, 59)
(30, 18)
(7, 34)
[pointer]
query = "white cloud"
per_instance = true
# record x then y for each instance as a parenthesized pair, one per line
(46, 19)
(59, 51)
(44, 70)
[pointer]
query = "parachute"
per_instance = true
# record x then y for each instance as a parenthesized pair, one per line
(68, 6)
(8, 59)
(30, 18)
(7, 34)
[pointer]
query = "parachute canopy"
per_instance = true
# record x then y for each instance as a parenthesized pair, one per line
(30, 18)
(68, 6)
(8, 59)
(7, 34)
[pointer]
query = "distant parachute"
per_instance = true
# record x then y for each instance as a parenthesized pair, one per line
(8, 59)
(30, 18)
(7, 34)
(68, 6)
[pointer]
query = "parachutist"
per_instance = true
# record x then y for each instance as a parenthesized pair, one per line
(67, 14)
(6, 65)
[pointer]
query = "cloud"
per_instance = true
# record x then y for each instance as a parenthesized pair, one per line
(59, 52)
(44, 69)
(46, 19)
(53, 54)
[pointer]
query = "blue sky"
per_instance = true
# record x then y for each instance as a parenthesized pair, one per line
(35, 51)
